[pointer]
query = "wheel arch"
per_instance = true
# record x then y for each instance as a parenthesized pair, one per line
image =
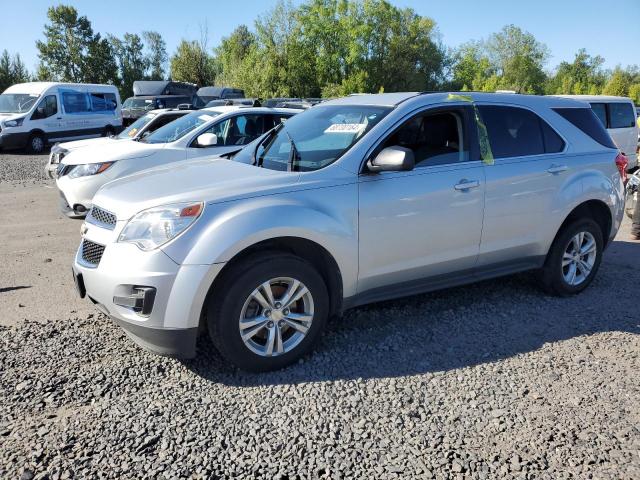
(314, 253)
(597, 210)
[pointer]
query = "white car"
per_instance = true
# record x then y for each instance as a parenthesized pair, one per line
(142, 127)
(206, 132)
(618, 116)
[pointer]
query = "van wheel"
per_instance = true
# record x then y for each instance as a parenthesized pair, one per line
(36, 143)
(267, 312)
(574, 258)
(108, 131)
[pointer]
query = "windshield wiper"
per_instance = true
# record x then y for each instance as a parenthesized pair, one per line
(295, 155)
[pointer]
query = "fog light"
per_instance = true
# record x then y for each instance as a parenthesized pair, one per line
(140, 301)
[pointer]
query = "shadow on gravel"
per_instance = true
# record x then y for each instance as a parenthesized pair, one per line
(455, 328)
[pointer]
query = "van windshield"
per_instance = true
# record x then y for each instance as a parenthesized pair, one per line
(180, 127)
(135, 127)
(17, 102)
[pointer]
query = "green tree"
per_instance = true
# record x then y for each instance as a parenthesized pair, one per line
(236, 58)
(621, 80)
(12, 70)
(471, 69)
(132, 62)
(191, 63)
(156, 55)
(71, 52)
(519, 60)
(583, 76)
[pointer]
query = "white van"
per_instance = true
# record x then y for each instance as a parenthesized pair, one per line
(618, 116)
(36, 113)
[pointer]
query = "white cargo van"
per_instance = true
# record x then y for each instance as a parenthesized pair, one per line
(36, 113)
(617, 114)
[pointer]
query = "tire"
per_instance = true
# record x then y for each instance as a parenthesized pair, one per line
(36, 143)
(108, 131)
(555, 277)
(235, 301)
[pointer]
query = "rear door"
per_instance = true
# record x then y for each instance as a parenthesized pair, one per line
(529, 168)
(623, 129)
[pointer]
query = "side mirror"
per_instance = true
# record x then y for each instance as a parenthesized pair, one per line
(207, 140)
(392, 159)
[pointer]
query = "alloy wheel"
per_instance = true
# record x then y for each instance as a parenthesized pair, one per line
(276, 316)
(579, 258)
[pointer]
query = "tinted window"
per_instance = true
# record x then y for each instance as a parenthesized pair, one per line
(552, 141)
(434, 138)
(621, 115)
(513, 132)
(238, 130)
(46, 108)
(103, 102)
(600, 110)
(587, 121)
(75, 102)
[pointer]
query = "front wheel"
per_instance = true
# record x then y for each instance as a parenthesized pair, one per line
(574, 258)
(268, 312)
(36, 143)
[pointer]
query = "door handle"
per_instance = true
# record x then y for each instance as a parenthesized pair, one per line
(466, 185)
(555, 169)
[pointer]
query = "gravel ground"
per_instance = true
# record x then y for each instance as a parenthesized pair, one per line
(22, 168)
(492, 380)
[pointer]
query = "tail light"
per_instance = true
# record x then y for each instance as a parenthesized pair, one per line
(621, 163)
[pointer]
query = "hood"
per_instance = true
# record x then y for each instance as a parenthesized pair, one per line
(209, 180)
(89, 142)
(11, 116)
(111, 152)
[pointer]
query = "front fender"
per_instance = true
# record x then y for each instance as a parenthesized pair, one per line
(326, 216)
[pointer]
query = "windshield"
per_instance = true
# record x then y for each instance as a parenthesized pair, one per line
(135, 127)
(318, 137)
(180, 127)
(138, 103)
(17, 102)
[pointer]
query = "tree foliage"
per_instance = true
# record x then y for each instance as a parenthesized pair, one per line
(156, 55)
(12, 70)
(132, 64)
(192, 63)
(71, 51)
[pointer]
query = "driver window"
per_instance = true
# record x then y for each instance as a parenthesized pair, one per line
(47, 107)
(435, 138)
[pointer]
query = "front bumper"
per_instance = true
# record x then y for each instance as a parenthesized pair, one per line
(180, 290)
(79, 192)
(14, 140)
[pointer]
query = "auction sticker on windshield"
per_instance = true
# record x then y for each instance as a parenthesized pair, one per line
(345, 128)
(205, 118)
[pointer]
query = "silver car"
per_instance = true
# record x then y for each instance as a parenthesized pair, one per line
(356, 200)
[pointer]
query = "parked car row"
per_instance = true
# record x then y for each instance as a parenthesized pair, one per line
(355, 200)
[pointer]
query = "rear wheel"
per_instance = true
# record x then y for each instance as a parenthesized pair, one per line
(574, 258)
(269, 311)
(36, 143)
(108, 131)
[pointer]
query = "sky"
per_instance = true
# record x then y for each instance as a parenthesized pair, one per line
(608, 28)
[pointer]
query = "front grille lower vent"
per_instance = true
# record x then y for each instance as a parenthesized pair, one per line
(92, 252)
(101, 217)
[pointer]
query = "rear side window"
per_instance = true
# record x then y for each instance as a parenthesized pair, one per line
(517, 132)
(103, 102)
(621, 115)
(75, 102)
(587, 121)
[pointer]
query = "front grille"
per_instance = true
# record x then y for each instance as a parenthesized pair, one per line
(92, 252)
(102, 218)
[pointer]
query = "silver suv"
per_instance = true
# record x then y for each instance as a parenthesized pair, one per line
(356, 200)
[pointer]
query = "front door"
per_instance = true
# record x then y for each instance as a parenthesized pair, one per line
(425, 223)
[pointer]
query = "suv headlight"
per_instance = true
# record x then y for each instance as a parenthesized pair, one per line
(155, 226)
(16, 122)
(89, 169)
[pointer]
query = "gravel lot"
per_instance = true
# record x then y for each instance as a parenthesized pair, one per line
(492, 380)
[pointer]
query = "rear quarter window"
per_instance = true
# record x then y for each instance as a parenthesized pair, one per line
(587, 121)
(621, 115)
